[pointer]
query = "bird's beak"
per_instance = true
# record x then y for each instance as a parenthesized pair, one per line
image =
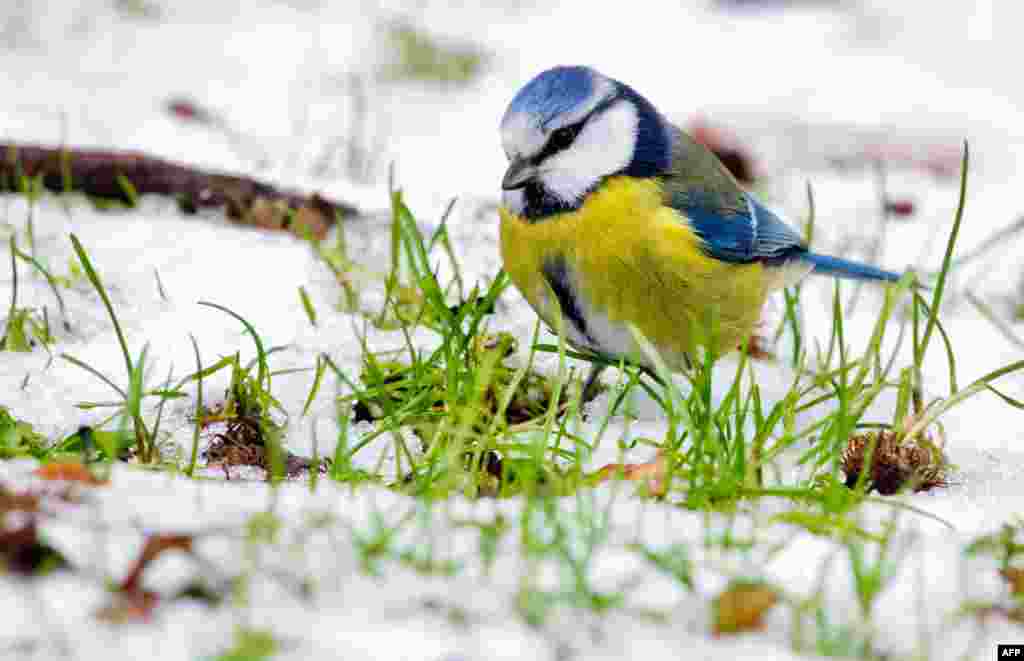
(518, 173)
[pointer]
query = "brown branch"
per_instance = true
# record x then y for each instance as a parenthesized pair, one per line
(103, 174)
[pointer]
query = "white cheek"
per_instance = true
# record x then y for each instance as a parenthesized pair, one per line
(513, 200)
(604, 147)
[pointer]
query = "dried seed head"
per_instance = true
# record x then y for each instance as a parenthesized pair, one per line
(895, 465)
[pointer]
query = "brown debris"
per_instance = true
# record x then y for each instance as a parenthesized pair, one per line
(896, 464)
(127, 607)
(742, 607)
(17, 502)
(102, 174)
(759, 348)
(69, 471)
(242, 444)
(21, 550)
(154, 546)
(492, 470)
(1014, 576)
(131, 602)
(651, 473)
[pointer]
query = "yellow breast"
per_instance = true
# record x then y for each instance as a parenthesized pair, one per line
(632, 259)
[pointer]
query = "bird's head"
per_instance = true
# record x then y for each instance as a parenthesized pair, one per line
(567, 130)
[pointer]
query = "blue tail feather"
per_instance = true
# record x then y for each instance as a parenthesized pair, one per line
(842, 268)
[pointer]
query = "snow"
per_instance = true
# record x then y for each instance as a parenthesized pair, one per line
(77, 72)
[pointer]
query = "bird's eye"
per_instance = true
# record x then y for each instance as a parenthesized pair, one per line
(564, 136)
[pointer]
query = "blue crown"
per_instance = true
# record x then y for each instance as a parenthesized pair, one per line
(552, 93)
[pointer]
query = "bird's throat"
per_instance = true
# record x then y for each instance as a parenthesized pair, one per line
(539, 203)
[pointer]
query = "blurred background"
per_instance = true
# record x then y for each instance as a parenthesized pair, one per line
(868, 100)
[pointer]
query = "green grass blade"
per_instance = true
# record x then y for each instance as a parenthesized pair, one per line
(94, 278)
(947, 260)
(190, 471)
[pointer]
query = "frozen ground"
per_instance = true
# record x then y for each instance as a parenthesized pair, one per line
(77, 72)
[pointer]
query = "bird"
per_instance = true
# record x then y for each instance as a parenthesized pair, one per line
(614, 220)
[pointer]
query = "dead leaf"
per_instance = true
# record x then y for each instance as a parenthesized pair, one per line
(69, 471)
(653, 472)
(130, 602)
(314, 218)
(742, 607)
(266, 213)
(155, 545)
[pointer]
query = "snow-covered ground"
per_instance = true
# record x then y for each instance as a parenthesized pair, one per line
(78, 72)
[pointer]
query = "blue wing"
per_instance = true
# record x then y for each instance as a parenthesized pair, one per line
(737, 234)
(758, 235)
(733, 226)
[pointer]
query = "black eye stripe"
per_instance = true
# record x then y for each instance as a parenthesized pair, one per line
(564, 136)
(559, 140)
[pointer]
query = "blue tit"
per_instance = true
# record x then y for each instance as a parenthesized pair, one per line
(613, 217)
